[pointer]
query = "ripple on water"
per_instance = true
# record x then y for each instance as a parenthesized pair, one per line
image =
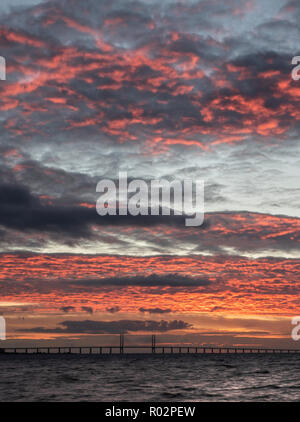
(149, 378)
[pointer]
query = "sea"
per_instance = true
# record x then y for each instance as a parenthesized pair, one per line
(149, 378)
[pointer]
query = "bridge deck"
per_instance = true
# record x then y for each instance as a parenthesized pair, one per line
(142, 349)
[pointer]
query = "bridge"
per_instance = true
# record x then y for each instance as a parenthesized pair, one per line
(154, 349)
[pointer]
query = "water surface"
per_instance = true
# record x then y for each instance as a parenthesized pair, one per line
(175, 378)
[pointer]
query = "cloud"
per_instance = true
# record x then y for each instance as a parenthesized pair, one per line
(20, 210)
(128, 88)
(198, 90)
(6, 5)
(111, 327)
(172, 279)
(87, 309)
(222, 284)
(63, 221)
(155, 310)
(113, 310)
(148, 73)
(67, 309)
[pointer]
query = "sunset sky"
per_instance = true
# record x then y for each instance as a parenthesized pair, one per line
(190, 89)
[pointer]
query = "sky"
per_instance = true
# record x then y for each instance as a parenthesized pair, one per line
(194, 89)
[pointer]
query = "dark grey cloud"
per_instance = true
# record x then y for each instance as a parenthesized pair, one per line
(67, 309)
(20, 210)
(65, 221)
(155, 310)
(87, 309)
(113, 309)
(111, 327)
(173, 280)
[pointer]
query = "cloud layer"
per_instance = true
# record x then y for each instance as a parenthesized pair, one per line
(197, 90)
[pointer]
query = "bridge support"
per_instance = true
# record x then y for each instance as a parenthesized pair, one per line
(122, 344)
(153, 343)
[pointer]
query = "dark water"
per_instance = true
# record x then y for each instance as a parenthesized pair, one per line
(150, 378)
